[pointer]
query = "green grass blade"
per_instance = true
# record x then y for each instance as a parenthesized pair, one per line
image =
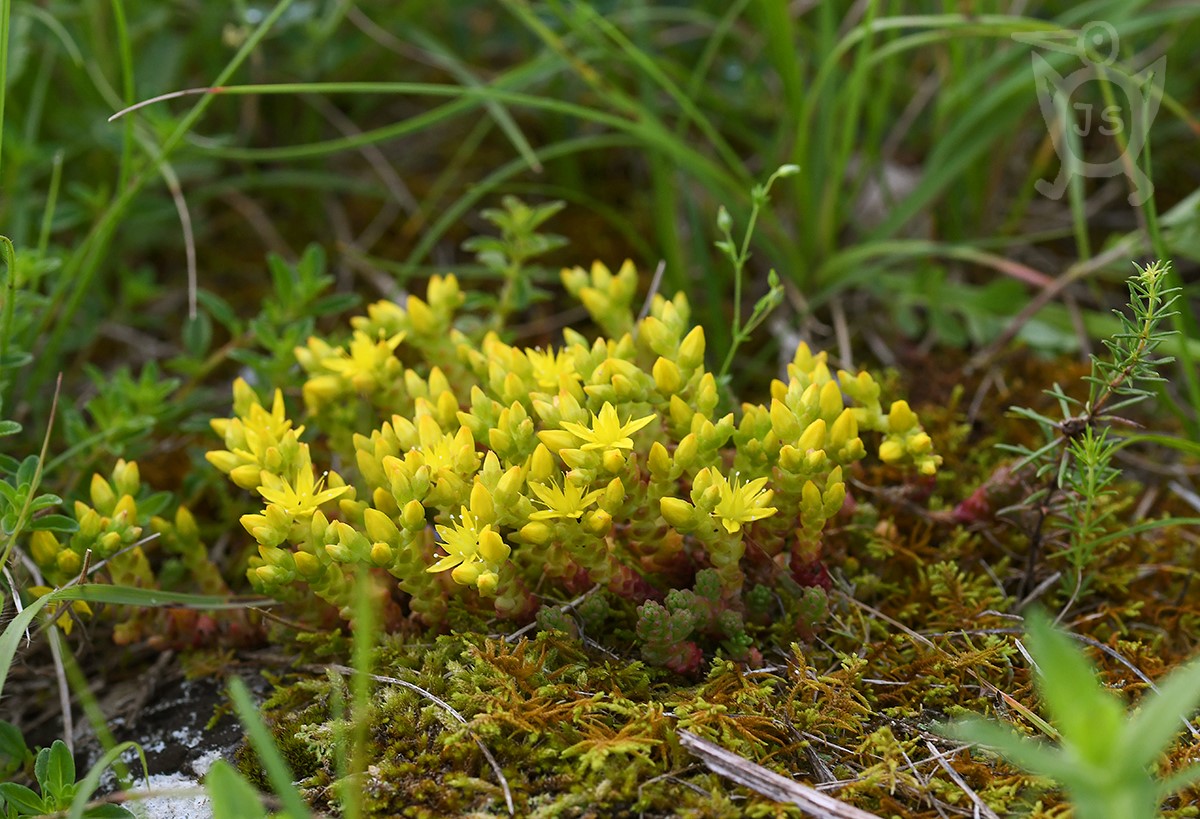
(277, 770)
(14, 632)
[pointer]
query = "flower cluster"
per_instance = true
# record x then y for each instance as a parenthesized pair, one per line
(522, 471)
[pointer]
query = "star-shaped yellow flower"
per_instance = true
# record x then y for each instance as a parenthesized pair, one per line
(553, 370)
(607, 432)
(741, 503)
(366, 361)
(468, 546)
(567, 501)
(301, 496)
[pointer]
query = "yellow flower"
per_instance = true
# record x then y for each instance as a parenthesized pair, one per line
(366, 360)
(607, 431)
(301, 496)
(741, 503)
(567, 501)
(467, 546)
(553, 370)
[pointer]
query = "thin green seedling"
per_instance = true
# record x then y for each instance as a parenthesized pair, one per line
(739, 255)
(1105, 760)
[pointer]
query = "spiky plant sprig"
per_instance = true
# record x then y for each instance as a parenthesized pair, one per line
(1077, 455)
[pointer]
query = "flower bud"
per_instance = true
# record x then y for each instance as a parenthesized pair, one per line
(44, 547)
(597, 522)
(686, 451)
(481, 503)
(68, 562)
(126, 510)
(419, 482)
(339, 553)
(784, 421)
(681, 413)
(244, 397)
(659, 461)
(901, 418)
(706, 394)
(574, 279)
(421, 317)
(614, 494)
(487, 582)
(307, 566)
(272, 459)
(108, 544)
(103, 497)
(831, 402)
(833, 498)
(126, 479)
(321, 390)
(223, 460)
(623, 388)
(269, 576)
(536, 532)
(381, 554)
(318, 525)
(492, 547)
(380, 527)
(891, 452)
(508, 488)
(920, 443)
(667, 376)
(556, 440)
(185, 525)
(812, 507)
(691, 349)
(577, 458)
(813, 437)
(679, 513)
(541, 462)
(657, 336)
(844, 429)
(247, 476)
(613, 460)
